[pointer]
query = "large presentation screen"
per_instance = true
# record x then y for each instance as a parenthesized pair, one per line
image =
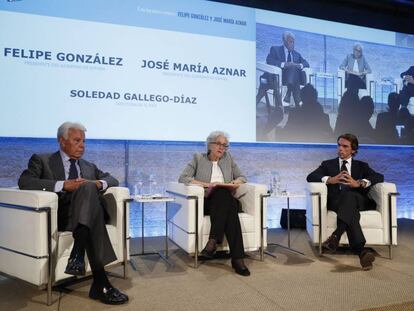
(176, 70)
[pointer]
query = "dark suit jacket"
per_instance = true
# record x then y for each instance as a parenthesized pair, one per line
(277, 56)
(45, 170)
(359, 170)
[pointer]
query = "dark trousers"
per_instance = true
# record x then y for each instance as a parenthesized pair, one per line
(406, 93)
(293, 77)
(223, 209)
(347, 205)
(86, 206)
(353, 83)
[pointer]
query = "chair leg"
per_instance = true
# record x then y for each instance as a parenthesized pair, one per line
(49, 294)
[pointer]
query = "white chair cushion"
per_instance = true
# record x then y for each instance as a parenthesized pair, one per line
(65, 243)
(246, 223)
(369, 219)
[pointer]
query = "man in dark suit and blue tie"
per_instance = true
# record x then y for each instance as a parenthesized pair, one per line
(292, 64)
(348, 181)
(81, 207)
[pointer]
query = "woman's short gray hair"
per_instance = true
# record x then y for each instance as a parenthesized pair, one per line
(213, 137)
(63, 130)
(358, 45)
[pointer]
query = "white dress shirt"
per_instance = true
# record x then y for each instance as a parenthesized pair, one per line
(356, 67)
(348, 167)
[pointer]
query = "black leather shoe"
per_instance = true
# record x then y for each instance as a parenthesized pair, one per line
(366, 258)
(210, 250)
(108, 295)
(76, 265)
(331, 244)
(239, 267)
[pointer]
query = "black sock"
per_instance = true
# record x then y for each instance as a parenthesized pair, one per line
(340, 228)
(100, 279)
(358, 249)
(80, 236)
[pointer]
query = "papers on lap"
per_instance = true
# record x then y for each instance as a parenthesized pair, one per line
(231, 187)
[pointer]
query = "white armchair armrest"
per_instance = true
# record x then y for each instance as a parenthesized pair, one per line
(182, 193)
(263, 67)
(249, 195)
(25, 230)
(187, 190)
(341, 82)
(385, 196)
(29, 198)
(312, 194)
(316, 197)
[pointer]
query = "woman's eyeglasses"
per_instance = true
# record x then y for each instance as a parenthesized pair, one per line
(225, 146)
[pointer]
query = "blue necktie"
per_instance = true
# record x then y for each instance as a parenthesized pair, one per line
(289, 59)
(73, 172)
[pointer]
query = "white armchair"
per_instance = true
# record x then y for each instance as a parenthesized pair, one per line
(370, 83)
(186, 232)
(262, 67)
(379, 226)
(32, 249)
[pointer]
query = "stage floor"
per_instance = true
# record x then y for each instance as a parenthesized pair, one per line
(288, 282)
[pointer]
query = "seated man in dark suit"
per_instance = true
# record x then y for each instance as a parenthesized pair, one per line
(348, 181)
(292, 63)
(408, 89)
(78, 184)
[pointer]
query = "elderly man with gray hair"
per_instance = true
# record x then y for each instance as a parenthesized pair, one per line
(217, 172)
(356, 68)
(292, 64)
(81, 209)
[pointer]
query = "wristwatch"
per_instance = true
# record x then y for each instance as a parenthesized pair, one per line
(362, 183)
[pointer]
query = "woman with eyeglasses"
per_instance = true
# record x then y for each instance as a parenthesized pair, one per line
(217, 172)
(356, 68)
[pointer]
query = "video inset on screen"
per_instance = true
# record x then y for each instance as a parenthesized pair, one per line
(315, 82)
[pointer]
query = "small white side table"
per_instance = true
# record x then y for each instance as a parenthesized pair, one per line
(287, 196)
(149, 199)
